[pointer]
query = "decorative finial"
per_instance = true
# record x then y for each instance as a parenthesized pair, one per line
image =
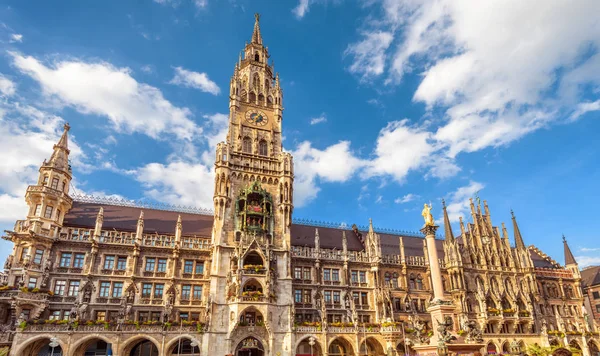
(443, 203)
(512, 213)
(257, 17)
(564, 238)
(66, 126)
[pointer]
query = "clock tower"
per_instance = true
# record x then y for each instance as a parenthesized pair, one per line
(251, 286)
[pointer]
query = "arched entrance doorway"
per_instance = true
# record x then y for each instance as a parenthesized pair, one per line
(93, 347)
(491, 349)
(143, 348)
(402, 350)
(594, 349)
(306, 349)
(43, 347)
(370, 347)
(340, 347)
(250, 347)
(186, 347)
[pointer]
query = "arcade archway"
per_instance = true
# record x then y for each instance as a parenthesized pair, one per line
(250, 347)
(184, 346)
(340, 347)
(141, 347)
(42, 347)
(371, 347)
(305, 348)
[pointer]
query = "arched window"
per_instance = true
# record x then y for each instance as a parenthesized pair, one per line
(45, 180)
(262, 148)
(261, 99)
(269, 101)
(252, 97)
(257, 57)
(64, 185)
(388, 278)
(247, 145)
(419, 282)
(411, 281)
(395, 280)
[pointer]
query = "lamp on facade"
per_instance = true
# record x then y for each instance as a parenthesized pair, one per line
(311, 342)
(193, 344)
(53, 343)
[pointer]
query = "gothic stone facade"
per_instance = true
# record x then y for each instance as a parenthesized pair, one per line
(91, 276)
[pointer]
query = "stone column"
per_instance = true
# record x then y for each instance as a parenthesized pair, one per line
(434, 264)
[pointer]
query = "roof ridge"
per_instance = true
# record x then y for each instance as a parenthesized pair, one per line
(93, 199)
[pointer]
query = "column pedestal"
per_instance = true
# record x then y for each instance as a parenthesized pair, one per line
(440, 308)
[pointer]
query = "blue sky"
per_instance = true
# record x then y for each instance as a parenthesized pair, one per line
(388, 104)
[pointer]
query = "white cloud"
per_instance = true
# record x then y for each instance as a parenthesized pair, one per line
(28, 136)
(457, 203)
(7, 86)
(200, 4)
(302, 8)
(102, 89)
(319, 119)
(584, 108)
(148, 69)
(336, 163)
(586, 261)
(16, 37)
(589, 249)
(195, 80)
(178, 183)
(493, 67)
(369, 54)
(407, 198)
(399, 149)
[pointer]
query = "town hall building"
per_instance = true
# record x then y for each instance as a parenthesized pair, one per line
(93, 276)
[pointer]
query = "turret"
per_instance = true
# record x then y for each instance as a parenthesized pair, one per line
(49, 199)
(448, 235)
(519, 244)
(570, 262)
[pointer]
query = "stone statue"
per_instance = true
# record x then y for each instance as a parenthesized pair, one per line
(426, 213)
(8, 262)
(444, 329)
(473, 331)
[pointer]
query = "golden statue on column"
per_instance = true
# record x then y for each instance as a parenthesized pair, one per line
(426, 213)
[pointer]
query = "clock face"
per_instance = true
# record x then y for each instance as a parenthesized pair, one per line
(256, 117)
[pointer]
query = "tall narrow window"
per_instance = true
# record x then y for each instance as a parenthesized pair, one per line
(78, 261)
(247, 145)
(197, 292)
(65, 259)
(59, 287)
(262, 148)
(54, 183)
(37, 258)
(38, 210)
(48, 212)
(117, 289)
(45, 180)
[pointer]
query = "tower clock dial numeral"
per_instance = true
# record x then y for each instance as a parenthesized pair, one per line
(256, 117)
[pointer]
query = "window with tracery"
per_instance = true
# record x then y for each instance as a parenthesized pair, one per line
(247, 145)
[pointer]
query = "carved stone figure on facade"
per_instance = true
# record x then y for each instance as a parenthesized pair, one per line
(8, 262)
(420, 327)
(82, 312)
(208, 311)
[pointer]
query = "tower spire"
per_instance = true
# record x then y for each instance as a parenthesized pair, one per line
(569, 259)
(256, 36)
(448, 235)
(518, 238)
(60, 155)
